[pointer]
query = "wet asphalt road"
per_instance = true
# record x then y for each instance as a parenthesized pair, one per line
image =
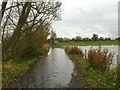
(53, 71)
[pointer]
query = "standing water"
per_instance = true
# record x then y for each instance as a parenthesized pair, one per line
(53, 71)
(113, 49)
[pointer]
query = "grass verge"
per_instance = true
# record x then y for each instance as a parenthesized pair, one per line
(12, 70)
(94, 77)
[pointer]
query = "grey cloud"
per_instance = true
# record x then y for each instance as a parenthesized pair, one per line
(100, 19)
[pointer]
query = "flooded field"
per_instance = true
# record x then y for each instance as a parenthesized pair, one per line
(113, 49)
(54, 71)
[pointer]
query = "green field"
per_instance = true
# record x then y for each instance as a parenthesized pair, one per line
(87, 43)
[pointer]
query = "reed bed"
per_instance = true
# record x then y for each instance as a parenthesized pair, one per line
(100, 58)
(74, 50)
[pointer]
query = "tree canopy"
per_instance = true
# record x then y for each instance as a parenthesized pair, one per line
(27, 25)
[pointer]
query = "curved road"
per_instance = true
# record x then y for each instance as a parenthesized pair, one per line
(53, 71)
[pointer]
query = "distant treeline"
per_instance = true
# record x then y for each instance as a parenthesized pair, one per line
(94, 38)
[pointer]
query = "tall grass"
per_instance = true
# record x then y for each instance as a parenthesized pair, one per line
(95, 78)
(100, 58)
(74, 50)
(95, 67)
(13, 69)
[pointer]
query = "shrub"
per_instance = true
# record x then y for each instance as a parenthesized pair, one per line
(118, 75)
(74, 50)
(100, 58)
(28, 52)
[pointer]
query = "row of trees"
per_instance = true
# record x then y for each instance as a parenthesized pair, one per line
(78, 38)
(26, 26)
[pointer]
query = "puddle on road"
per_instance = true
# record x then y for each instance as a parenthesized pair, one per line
(53, 71)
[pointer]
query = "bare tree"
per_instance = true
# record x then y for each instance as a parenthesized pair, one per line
(28, 18)
(4, 3)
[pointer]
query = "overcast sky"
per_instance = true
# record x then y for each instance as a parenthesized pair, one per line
(85, 17)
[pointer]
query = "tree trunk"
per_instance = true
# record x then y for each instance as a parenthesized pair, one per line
(3, 10)
(17, 33)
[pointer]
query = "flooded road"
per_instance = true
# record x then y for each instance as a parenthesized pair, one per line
(53, 71)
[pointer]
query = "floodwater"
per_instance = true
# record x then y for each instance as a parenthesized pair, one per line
(114, 49)
(53, 71)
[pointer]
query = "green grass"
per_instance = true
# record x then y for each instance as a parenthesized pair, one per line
(13, 70)
(94, 77)
(87, 43)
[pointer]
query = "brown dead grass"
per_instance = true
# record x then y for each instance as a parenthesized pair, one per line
(100, 58)
(74, 50)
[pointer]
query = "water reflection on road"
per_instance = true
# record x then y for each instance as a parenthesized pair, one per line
(53, 71)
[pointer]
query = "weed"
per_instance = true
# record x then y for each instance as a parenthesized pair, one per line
(100, 58)
(95, 78)
(74, 50)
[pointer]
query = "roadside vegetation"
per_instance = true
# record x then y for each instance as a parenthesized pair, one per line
(100, 58)
(25, 29)
(96, 67)
(13, 69)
